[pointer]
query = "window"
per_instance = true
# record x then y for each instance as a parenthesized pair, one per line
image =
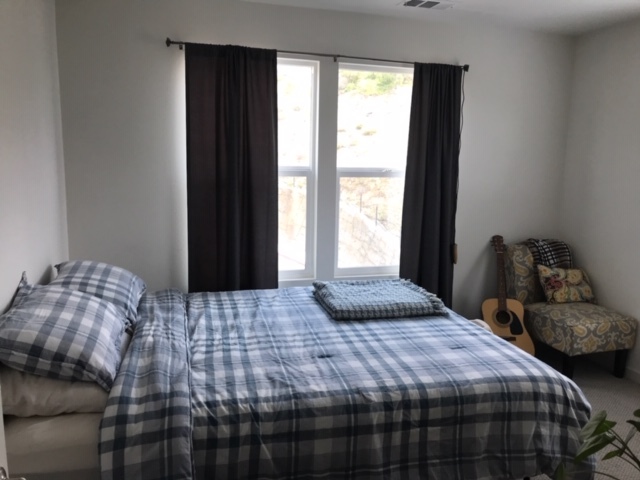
(296, 167)
(373, 124)
(343, 131)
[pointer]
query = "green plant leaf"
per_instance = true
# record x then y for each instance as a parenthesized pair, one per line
(598, 425)
(590, 428)
(560, 473)
(637, 413)
(605, 426)
(613, 453)
(592, 446)
(635, 423)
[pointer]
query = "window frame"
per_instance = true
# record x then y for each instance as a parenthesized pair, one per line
(308, 172)
(371, 172)
(350, 172)
(324, 175)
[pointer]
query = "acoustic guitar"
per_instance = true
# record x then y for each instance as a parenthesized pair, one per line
(505, 315)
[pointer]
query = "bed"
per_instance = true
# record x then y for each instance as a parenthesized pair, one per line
(266, 384)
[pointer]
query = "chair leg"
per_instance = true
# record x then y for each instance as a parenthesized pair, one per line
(567, 365)
(620, 363)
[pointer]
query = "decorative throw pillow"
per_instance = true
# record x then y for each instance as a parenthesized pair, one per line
(111, 283)
(564, 285)
(61, 333)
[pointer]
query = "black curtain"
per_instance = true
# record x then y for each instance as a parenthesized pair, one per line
(431, 184)
(232, 167)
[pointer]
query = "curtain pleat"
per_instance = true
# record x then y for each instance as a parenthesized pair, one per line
(232, 167)
(431, 184)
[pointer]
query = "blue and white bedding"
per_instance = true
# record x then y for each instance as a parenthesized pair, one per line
(61, 333)
(265, 384)
(367, 299)
(113, 284)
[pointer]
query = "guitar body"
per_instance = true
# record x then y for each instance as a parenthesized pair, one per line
(509, 323)
(505, 315)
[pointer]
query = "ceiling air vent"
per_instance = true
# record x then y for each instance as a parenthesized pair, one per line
(429, 5)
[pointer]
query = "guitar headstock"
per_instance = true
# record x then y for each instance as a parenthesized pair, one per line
(498, 243)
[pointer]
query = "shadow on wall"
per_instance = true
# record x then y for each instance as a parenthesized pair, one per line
(479, 281)
(44, 279)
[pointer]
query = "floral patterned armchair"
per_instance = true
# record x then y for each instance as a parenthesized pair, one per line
(571, 327)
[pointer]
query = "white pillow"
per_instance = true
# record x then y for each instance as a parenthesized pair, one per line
(27, 395)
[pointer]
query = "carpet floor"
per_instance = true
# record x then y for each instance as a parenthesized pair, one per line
(620, 398)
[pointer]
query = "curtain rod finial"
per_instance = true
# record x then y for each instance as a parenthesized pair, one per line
(170, 42)
(466, 67)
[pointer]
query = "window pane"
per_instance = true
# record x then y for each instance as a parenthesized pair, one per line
(373, 118)
(370, 219)
(295, 114)
(292, 222)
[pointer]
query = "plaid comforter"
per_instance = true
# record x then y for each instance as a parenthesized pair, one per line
(264, 384)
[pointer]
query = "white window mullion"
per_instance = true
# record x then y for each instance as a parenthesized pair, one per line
(326, 192)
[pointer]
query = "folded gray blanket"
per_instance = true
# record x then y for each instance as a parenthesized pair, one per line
(353, 299)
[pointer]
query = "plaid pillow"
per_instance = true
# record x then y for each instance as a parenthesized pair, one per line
(113, 284)
(550, 252)
(61, 333)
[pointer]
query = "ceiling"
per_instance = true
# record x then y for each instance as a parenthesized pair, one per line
(570, 17)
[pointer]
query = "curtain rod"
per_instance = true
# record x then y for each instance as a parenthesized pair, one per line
(335, 57)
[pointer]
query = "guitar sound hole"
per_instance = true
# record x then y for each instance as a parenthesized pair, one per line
(503, 317)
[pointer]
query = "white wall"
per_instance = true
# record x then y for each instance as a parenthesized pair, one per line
(33, 221)
(601, 217)
(122, 96)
